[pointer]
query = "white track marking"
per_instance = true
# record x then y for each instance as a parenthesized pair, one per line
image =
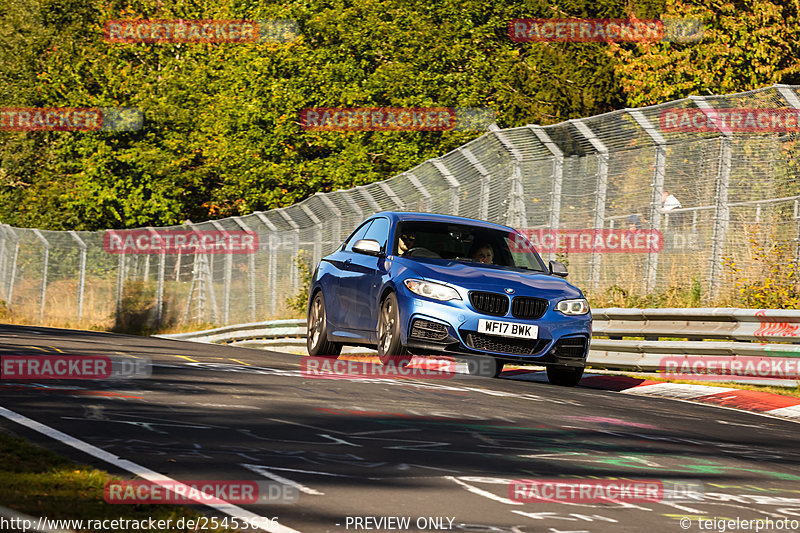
(142, 471)
(264, 471)
(481, 492)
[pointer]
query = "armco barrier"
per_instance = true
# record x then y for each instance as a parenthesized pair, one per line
(715, 332)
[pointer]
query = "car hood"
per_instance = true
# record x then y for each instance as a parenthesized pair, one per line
(491, 279)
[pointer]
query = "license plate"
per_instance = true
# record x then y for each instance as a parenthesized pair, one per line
(508, 329)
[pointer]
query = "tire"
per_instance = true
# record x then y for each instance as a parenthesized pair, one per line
(317, 342)
(390, 349)
(564, 376)
(488, 367)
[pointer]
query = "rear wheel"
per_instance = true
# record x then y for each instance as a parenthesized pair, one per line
(317, 339)
(390, 349)
(488, 367)
(565, 376)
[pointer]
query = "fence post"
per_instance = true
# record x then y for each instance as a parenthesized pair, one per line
(452, 182)
(3, 257)
(721, 208)
(791, 98)
(82, 274)
(516, 216)
(558, 179)
(226, 297)
(392, 195)
(483, 208)
(5, 229)
(272, 263)
(251, 270)
(160, 283)
(336, 220)
(296, 248)
(202, 280)
(348, 198)
(120, 280)
(12, 278)
(658, 187)
(423, 192)
(316, 253)
(367, 195)
(45, 261)
(602, 187)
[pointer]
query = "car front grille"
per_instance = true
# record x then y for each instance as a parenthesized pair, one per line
(427, 329)
(490, 303)
(490, 343)
(527, 307)
(570, 347)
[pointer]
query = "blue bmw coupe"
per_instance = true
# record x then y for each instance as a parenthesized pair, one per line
(422, 284)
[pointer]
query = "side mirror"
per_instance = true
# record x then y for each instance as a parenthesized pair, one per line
(367, 247)
(558, 269)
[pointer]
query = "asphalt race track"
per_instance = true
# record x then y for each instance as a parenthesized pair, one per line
(441, 452)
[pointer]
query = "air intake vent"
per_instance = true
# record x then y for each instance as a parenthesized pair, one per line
(489, 343)
(570, 347)
(426, 329)
(490, 303)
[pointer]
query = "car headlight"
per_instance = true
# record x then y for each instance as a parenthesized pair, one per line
(578, 306)
(428, 289)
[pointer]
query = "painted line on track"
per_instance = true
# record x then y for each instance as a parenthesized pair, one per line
(168, 483)
(187, 358)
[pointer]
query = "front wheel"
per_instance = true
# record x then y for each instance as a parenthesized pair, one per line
(565, 376)
(390, 349)
(317, 337)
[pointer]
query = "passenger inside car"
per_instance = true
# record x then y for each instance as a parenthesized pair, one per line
(482, 253)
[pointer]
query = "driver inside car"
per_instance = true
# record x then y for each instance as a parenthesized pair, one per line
(405, 243)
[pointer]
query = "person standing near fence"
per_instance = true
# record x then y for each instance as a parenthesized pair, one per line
(669, 205)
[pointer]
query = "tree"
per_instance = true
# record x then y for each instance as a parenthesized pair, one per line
(746, 44)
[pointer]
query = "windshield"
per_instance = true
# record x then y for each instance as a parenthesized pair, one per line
(464, 243)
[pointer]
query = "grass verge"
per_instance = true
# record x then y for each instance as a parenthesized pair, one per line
(37, 482)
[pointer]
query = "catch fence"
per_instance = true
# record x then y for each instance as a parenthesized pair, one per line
(740, 210)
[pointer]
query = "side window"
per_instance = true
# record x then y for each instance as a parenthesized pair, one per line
(379, 231)
(357, 235)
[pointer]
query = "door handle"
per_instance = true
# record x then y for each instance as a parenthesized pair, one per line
(347, 263)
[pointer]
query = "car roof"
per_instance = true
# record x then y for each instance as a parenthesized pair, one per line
(402, 216)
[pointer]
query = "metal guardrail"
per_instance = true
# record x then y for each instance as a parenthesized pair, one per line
(730, 332)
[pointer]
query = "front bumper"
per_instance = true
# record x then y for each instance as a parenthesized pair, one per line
(440, 328)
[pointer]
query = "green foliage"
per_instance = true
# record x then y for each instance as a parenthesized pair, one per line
(673, 296)
(222, 136)
(221, 133)
(746, 45)
(299, 301)
(777, 283)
